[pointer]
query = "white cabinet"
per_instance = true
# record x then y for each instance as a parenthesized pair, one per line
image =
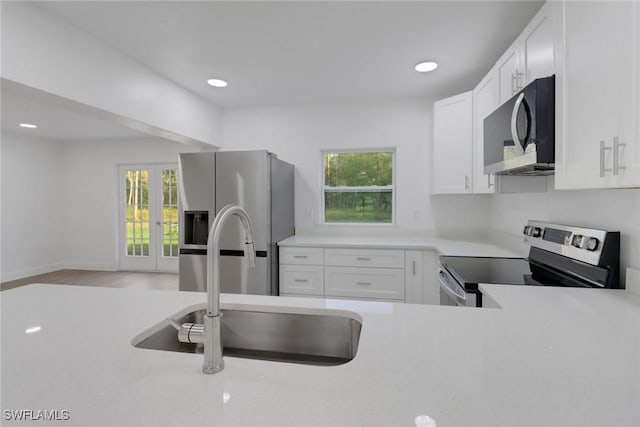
(530, 57)
(357, 282)
(510, 76)
(430, 283)
(597, 99)
(413, 277)
(485, 101)
(364, 273)
(302, 271)
(537, 45)
(452, 145)
(376, 274)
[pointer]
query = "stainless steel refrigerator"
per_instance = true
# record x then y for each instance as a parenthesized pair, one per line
(260, 183)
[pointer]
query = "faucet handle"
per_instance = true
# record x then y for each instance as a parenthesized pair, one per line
(250, 253)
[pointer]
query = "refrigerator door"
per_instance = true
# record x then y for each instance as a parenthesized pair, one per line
(193, 272)
(242, 178)
(237, 277)
(196, 196)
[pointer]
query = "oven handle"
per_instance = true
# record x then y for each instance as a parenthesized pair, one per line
(446, 286)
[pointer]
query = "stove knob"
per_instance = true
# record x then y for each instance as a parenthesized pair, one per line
(592, 244)
(577, 241)
(526, 230)
(537, 232)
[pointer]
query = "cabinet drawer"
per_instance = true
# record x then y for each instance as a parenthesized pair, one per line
(302, 256)
(379, 283)
(379, 258)
(302, 280)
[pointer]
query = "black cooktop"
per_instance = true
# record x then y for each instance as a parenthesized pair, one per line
(470, 271)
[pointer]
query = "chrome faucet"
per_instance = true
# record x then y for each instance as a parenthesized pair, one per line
(209, 333)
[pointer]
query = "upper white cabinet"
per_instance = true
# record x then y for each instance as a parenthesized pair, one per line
(530, 57)
(485, 101)
(510, 73)
(452, 144)
(597, 97)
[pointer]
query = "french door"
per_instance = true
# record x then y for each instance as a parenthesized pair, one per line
(148, 217)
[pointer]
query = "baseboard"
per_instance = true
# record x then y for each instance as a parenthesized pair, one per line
(90, 266)
(43, 269)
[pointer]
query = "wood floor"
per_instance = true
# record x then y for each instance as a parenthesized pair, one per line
(110, 279)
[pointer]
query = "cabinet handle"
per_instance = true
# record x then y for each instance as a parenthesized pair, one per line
(363, 283)
(466, 182)
(300, 256)
(616, 155)
(414, 267)
(363, 259)
(513, 80)
(489, 184)
(602, 150)
(300, 280)
(519, 85)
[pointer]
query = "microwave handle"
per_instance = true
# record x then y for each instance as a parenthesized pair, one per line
(514, 122)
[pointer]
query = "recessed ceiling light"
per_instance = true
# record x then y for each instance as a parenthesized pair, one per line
(28, 125)
(424, 67)
(217, 83)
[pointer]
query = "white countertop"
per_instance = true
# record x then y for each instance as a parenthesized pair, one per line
(550, 356)
(443, 246)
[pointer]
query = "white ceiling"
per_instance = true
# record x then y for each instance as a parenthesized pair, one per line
(57, 118)
(282, 52)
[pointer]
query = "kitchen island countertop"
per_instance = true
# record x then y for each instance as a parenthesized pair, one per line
(549, 356)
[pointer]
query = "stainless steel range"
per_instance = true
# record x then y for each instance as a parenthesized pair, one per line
(559, 255)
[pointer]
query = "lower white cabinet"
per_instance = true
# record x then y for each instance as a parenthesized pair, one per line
(370, 274)
(359, 282)
(302, 280)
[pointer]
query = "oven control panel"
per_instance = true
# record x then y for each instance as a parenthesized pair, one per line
(584, 244)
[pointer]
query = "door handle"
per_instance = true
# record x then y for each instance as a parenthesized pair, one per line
(616, 155)
(514, 124)
(602, 150)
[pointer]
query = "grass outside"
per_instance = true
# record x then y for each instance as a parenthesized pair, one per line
(348, 215)
(141, 247)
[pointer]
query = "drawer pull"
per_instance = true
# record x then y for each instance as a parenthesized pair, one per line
(300, 280)
(300, 256)
(360, 258)
(363, 283)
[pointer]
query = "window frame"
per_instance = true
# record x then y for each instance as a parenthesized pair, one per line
(373, 188)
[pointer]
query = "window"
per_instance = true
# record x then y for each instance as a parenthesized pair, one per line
(358, 186)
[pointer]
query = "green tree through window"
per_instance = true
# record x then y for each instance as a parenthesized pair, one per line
(358, 186)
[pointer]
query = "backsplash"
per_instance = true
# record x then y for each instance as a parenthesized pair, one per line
(612, 210)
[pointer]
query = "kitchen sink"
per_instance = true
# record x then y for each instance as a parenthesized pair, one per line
(308, 336)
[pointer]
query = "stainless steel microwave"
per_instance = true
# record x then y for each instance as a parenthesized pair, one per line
(519, 136)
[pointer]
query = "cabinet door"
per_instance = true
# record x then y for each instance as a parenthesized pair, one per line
(413, 277)
(595, 91)
(452, 144)
(485, 101)
(509, 74)
(628, 155)
(537, 45)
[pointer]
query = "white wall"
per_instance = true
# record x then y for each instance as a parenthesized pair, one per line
(32, 207)
(90, 180)
(614, 210)
(297, 133)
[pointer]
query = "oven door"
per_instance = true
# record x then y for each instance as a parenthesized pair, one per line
(451, 293)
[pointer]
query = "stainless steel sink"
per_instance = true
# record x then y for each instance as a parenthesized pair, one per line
(312, 337)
